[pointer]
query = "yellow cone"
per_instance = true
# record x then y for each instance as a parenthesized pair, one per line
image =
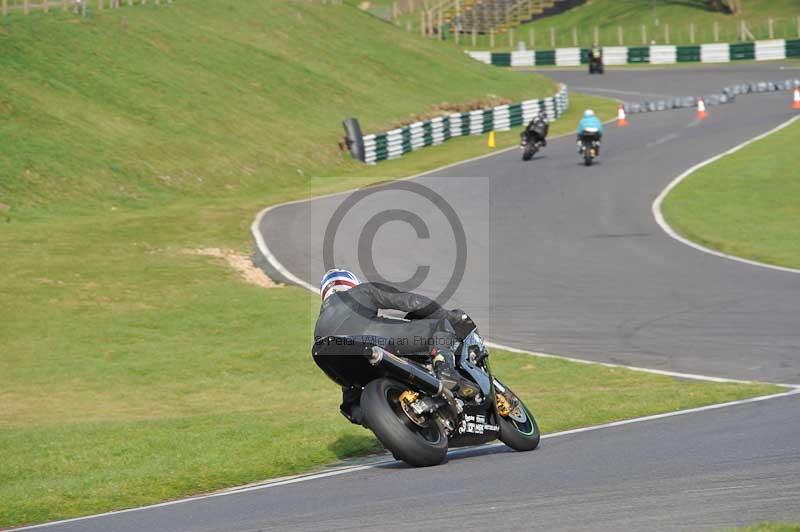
(492, 143)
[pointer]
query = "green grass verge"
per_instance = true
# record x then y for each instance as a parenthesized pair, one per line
(607, 15)
(745, 204)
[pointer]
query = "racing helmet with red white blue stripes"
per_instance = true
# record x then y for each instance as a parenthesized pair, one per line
(337, 281)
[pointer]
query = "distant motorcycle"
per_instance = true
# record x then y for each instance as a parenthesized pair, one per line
(414, 416)
(533, 138)
(596, 62)
(530, 144)
(589, 145)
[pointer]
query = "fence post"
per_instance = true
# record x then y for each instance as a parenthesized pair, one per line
(596, 41)
(644, 34)
(421, 22)
(5, 8)
(474, 35)
(574, 36)
(532, 37)
(511, 38)
(441, 24)
(691, 32)
(620, 37)
(666, 33)
(491, 37)
(716, 31)
(771, 29)
(798, 25)
(553, 37)
(457, 25)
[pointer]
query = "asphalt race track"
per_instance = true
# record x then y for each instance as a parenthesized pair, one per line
(569, 260)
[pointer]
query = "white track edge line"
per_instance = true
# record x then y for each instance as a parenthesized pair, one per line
(353, 469)
(661, 221)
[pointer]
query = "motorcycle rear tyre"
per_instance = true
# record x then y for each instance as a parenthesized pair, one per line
(395, 431)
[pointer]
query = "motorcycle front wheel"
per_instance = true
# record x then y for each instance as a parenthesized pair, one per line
(528, 153)
(519, 430)
(418, 443)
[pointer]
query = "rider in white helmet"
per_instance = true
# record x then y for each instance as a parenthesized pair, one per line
(591, 123)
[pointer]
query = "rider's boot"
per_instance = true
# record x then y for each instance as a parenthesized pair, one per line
(444, 366)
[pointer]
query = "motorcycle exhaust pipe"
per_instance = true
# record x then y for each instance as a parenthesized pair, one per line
(404, 369)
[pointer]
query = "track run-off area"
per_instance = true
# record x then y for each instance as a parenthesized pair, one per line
(568, 260)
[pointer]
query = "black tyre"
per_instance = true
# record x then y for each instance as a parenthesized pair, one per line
(416, 445)
(521, 434)
(587, 157)
(528, 153)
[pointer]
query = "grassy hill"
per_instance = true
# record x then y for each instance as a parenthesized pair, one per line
(607, 15)
(208, 98)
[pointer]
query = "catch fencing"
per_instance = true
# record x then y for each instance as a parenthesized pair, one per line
(397, 142)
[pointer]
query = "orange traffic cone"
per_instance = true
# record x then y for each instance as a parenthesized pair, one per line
(701, 109)
(796, 98)
(622, 121)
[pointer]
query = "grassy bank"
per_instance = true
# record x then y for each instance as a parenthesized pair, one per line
(746, 204)
(208, 99)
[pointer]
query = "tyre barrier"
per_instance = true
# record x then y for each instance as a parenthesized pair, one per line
(664, 54)
(397, 142)
(727, 95)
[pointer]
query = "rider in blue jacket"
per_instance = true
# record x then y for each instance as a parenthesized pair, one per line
(589, 121)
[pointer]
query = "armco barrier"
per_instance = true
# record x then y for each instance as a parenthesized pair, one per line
(768, 50)
(656, 54)
(397, 142)
(568, 56)
(715, 53)
(663, 55)
(743, 50)
(793, 48)
(615, 55)
(686, 54)
(523, 58)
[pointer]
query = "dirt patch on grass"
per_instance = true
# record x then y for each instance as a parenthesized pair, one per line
(241, 263)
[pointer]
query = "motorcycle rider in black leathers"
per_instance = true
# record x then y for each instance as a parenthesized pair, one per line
(350, 310)
(537, 129)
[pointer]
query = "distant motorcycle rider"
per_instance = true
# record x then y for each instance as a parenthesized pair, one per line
(537, 129)
(590, 124)
(350, 311)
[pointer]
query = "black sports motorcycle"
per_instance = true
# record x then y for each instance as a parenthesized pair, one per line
(532, 139)
(414, 415)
